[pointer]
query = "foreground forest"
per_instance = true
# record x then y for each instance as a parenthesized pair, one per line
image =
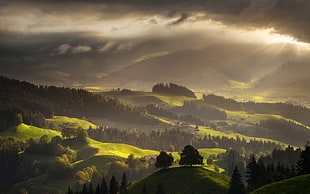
(65, 140)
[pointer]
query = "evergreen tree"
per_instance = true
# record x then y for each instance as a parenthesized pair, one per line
(236, 184)
(84, 189)
(190, 156)
(113, 185)
(252, 167)
(160, 189)
(144, 190)
(303, 164)
(90, 189)
(124, 183)
(69, 191)
(104, 186)
(98, 189)
(163, 160)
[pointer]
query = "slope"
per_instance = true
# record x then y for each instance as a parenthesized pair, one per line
(294, 185)
(183, 180)
(23, 132)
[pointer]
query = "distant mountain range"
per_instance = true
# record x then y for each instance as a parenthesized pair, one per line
(214, 67)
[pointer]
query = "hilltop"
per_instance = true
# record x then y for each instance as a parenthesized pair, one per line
(183, 180)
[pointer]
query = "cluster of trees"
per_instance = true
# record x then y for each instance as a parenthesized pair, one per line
(189, 156)
(173, 89)
(18, 167)
(77, 133)
(277, 159)
(103, 188)
(202, 111)
(174, 140)
(9, 159)
(24, 102)
(298, 113)
(156, 110)
(10, 117)
(286, 131)
(259, 173)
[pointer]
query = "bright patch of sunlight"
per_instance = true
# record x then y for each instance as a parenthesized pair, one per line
(278, 38)
(242, 85)
(146, 57)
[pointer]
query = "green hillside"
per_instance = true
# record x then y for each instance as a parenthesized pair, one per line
(183, 180)
(294, 185)
(58, 122)
(144, 98)
(24, 132)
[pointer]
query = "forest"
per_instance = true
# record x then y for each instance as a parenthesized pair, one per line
(24, 102)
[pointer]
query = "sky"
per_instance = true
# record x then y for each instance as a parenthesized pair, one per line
(135, 43)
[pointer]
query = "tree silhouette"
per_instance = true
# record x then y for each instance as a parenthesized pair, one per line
(144, 190)
(84, 189)
(104, 186)
(98, 189)
(236, 184)
(124, 183)
(160, 189)
(190, 156)
(303, 164)
(163, 160)
(252, 168)
(90, 189)
(113, 185)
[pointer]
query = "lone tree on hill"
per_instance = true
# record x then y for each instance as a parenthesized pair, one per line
(236, 184)
(163, 160)
(190, 156)
(303, 164)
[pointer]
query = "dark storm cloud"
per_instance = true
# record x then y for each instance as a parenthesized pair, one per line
(180, 20)
(285, 16)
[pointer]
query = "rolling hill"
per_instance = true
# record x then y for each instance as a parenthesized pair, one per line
(294, 185)
(23, 132)
(183, 180)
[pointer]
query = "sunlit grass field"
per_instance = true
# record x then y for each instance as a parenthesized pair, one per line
(143, 98)
(61, 121)
(23, 132)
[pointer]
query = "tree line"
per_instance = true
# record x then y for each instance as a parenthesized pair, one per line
(286, 131)
(173, 89)
(175, 138)
(264, 171)
(25, 102)
(296, 112)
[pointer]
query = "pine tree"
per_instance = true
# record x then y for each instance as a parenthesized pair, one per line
(163, 160)
(124, 184)
(84, 189)
(69, 191)
(160, 189)
(252, 168)
(98, 189)
(144, 190)
(113, 185)
(303, 164)
(104, 186)
(236, 184)
(90, 189)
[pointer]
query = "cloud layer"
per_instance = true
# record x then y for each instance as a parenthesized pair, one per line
(77, 41)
